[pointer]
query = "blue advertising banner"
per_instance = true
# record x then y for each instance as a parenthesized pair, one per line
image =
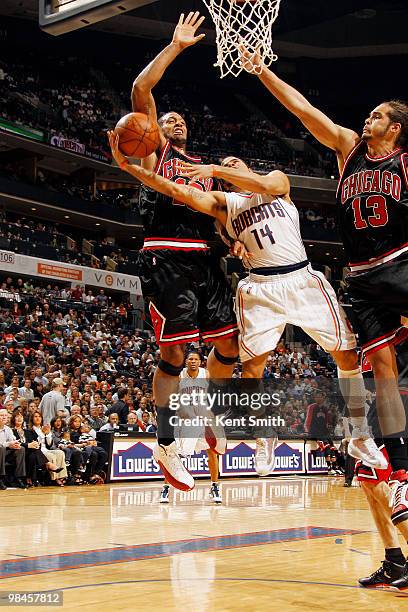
(239, 460)
(132, 459)
(315, 460)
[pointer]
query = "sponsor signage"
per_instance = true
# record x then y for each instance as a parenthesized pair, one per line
(315, 460)
(133, 459)
(68, 145)
(289, 458)
(239, 460)
(33, 266)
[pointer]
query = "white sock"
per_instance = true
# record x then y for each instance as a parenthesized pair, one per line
(351, 383)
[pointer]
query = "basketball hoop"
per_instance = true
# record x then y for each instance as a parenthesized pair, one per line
(243, 22)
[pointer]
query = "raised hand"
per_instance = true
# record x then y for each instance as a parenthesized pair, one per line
(184, 34)
(117, 155)
(251, 61)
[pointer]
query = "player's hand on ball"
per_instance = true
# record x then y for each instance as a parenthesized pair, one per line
(118, 156)
(238, 249)
(251, 61)
(197, 171)
(184, 34)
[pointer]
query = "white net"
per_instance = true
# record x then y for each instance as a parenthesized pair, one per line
(243, 22)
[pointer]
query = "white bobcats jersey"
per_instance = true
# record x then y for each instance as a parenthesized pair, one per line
(268, 226)
(188, 384)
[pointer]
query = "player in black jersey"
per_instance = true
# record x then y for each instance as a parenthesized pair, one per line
(182, 282)
(373, 212)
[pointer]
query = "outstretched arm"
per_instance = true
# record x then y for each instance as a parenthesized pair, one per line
(183, 37)
(274, 183)
(333, 136)
(211, 203)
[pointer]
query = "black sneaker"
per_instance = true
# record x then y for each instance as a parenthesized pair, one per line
(215, 493)
(384, 576)
(164, 495)
(401, 584)
(3, 485)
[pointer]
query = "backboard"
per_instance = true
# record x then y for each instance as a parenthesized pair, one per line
(60, 16)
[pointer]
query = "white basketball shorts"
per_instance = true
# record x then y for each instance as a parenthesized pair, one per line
(265, 304)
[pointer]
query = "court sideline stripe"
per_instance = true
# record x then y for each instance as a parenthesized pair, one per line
(106, 556)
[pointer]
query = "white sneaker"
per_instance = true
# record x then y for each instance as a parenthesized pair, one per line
(265, 455)
(164, 495)
(365, 449)
(215, 493)
(172, 467)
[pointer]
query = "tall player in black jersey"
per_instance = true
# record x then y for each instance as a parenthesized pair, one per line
(187, 293)
(373, 211)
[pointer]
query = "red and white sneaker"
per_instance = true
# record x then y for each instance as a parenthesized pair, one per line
(172, 467)
(215, 435)
(399, 496)
(365, 449)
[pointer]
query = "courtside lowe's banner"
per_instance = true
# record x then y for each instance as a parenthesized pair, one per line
(239, 460)
(132, 459)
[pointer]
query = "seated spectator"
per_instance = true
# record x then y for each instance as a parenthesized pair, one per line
(94, 419)
(11, 448)
(112, 424)
(147, 423)
(34, 456)
(97, 456)
(41, 433)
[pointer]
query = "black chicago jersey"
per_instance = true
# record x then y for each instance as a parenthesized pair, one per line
(165, 218)
(373, 208)
(372, 202)
(182, 281)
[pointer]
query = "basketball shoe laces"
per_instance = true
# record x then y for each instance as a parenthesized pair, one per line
(397, 489)
(261, 449)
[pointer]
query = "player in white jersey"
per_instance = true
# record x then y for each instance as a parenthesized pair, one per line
(281, 288)
(192, 439)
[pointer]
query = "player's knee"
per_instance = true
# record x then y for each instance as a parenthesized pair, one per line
(173, 355)
(346, 360)
(382, 362)
(227, 347)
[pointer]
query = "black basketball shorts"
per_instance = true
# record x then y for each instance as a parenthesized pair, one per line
(188, 296)
(379, 297)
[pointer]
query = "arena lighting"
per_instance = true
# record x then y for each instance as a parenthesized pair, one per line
(60, 16)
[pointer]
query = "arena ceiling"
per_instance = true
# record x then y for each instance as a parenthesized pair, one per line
(308, 28)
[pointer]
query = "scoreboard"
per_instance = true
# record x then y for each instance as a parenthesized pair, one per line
(60, 16)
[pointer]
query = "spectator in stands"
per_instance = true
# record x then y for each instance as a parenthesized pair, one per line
(34, 457)
(94, 419)
(149, 426)
(26, 390)
(112, 424)
(11, 448)
(53, 401)
(41, 433)
(96, 455)
(121, 407)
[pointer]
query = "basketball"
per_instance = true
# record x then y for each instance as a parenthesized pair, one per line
(138, 135)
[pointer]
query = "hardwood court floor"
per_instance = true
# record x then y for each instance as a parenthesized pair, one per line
(274, 544)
